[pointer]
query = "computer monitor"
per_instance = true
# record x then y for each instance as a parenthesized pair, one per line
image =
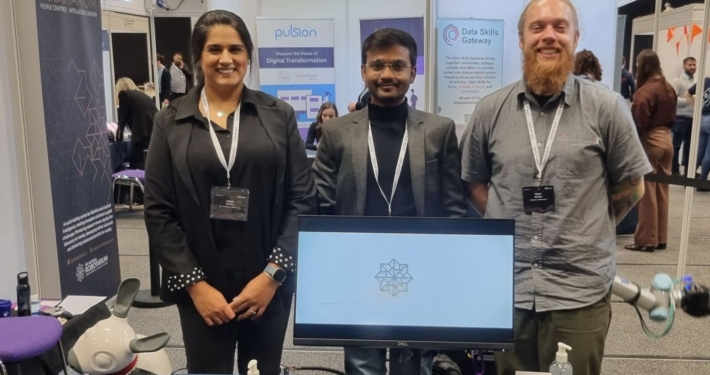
(404, 282)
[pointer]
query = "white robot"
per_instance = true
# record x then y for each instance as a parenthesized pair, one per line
(111, 346)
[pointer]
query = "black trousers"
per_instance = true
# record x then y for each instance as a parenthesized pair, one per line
(210, 350)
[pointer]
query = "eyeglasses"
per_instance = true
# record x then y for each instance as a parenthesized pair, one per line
(397, 66)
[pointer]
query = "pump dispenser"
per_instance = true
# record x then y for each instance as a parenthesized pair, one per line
(251, 368)
(561, 366)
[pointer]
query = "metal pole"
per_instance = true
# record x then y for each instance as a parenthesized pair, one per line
(154, 63)
(694, 139)
(657, 23)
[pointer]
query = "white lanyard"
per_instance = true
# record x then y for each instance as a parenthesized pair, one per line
(398, 169)
(215, 141)
(540, 164)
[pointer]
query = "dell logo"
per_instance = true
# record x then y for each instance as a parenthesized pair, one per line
(294, 32)
(402, 343)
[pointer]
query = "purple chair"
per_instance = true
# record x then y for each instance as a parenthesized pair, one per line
(130, 178)
(27, 337)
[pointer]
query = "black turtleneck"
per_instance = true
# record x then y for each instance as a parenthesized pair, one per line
(388, 124)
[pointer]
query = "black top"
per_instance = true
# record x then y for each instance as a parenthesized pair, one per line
(312, 139)
(164, 89)
(628, 84)
(388, 124)
(541, 99)
(706, 103)
(136, 110)
(242, 246)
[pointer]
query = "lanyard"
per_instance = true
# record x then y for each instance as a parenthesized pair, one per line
(215, 141)
(398, 169)
(540, 164)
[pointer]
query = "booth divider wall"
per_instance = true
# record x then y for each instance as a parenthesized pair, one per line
(679, 37)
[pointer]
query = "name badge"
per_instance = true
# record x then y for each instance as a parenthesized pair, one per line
(229, 203)
(538, 199)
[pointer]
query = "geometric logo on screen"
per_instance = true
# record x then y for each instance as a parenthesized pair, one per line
(451, 33)
(393, 277)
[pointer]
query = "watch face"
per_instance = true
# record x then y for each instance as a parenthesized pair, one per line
(280, 275)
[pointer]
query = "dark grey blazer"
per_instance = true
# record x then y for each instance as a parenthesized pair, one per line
(341, 165)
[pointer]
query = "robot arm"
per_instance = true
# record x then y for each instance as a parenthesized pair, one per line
(693, 298)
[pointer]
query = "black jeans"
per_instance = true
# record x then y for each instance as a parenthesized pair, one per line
(210, 350)
(682, 131)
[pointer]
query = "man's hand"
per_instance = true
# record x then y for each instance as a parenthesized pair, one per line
(689, 98)
(119, 136)
(255, 297)
(210, 303)
(625, 195)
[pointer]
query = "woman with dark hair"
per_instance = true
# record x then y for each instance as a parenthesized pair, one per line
(327, 111)
(586, 65)
(226, 178)
(135, 111)
(654, 110)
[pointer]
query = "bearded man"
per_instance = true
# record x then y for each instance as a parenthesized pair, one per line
(561, 156)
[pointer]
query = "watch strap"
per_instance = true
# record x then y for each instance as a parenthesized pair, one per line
(271, 270)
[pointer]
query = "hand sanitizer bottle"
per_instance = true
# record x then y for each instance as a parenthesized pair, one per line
(251, 368)
(560, 366)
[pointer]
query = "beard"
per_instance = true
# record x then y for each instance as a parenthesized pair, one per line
(547, 77)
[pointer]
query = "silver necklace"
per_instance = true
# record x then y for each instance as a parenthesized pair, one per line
(220, 113)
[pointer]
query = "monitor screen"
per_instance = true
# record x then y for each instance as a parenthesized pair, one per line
(405, 282)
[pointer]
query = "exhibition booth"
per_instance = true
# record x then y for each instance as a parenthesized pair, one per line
(679, 36)
(65, 58)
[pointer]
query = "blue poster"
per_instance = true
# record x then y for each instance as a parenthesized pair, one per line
(469, 66)
(297, 64)
(414, 27)
(77, 144)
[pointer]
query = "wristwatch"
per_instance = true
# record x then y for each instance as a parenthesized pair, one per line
(276, 273)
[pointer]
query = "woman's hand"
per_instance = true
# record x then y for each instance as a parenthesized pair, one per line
(255, 297)
(210, 303)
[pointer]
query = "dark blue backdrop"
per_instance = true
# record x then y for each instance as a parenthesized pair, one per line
(71, 70)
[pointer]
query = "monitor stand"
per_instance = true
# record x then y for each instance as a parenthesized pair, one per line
(411, 365)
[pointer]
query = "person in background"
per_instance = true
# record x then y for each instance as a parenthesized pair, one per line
(587, 66)
(388, 159)
(228, 267)
(654, 112)
(683, 127)
(149, 89)
(180, 77)
(163, 81)
(413, 100)
(136, 111)
(704, 144)
(564, 206)
(628, 84)
(326, 112)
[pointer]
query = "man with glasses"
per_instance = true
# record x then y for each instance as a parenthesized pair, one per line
(388, 159)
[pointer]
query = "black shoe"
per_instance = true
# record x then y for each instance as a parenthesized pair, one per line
(647, 249)
(661, 246)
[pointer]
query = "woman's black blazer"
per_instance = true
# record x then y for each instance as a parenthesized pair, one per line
(179, 229)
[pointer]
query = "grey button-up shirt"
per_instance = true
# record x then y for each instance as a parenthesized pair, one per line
(563, 259)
